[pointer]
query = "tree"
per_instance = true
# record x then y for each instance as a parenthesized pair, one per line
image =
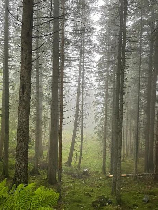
(116, 185)
(69, 161)
(61, 91)
(38, 135)
(53, 148)
(138, 99)
(6, 94)
(21, 166)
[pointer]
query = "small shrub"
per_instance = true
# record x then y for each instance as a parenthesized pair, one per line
(27, 197)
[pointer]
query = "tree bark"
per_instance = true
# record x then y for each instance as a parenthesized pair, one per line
(69, 161)
(5, 98)
(21, 166)
(38, 137)
(113, 124)
(105, 117)
(2, 125)
(53, 149)
(116, 185)
(6, 94)
(82, 105)
(138, 99)
(156, 73)
(156, 151)
(148, 110)
(61, 92)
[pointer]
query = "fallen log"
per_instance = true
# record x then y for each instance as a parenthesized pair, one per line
(137, 175)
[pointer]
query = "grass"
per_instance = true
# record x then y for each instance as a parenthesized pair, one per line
(81, 191)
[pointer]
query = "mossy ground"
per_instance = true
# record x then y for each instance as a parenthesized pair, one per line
(79, 191)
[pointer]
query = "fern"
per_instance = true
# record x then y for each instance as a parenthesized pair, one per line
(44, 197)
(3, 191)
(27, 197)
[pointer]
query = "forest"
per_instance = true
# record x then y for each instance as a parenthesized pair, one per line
(78, 104)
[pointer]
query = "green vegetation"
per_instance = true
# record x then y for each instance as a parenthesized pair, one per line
(79, 190)
(27, 197)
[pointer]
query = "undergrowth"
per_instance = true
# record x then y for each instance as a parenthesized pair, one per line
(27, 197)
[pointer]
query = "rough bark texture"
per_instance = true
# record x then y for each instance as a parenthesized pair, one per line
(38, 139)
(156, 151)
(61, 92)
(156, 72)
(5, 103)
(152, 124)
(113, 124)
(2, 126)
(21, 166)
(148, 111)
(53, 149)
(138, 98)
(116, 185)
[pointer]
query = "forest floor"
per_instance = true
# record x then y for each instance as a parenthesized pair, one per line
(92, 190)
(88, 188)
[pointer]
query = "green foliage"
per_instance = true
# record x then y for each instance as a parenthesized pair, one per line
(27, 197)
(3, 191)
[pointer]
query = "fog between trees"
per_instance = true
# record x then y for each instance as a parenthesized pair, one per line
(74, 72)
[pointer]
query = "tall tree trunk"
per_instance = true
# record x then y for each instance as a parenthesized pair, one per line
(105, 117)
(152, 124)
(2, 124)
(127, 133)
(5, 98)
(147, 132)
(38, 140)
(21, 166)
(156, 73)
(156, 151)
(82, 105)
(138, 100)
(69, 161)
(61, 92)
(113, 123)
(6, 93)
(151, 98)
(116, 185)
(53, 149)
(152, 106)
(116, 129)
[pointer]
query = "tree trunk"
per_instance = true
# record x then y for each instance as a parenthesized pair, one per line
(61, 92)
(113, 124)
(38, 137)
(82, 105)
(53, 149)
(105, 116)
(69, 161)
(156, 151)
(6, 94)
(2, 125)
(21, 166)
(148, 109)
(152, 124)
(138, 100)
(116, 185)
(156, 73)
